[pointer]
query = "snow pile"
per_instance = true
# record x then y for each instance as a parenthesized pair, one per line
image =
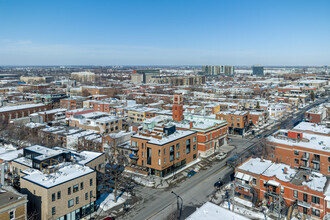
(109, 202)
(143, 182)
(243, 202)
(245, 212)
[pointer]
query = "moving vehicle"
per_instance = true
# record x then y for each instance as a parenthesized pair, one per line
(191, 173)
(221, 155)
(218, 184)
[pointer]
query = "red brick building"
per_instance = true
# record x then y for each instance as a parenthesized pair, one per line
(298, 191)
(19, 111)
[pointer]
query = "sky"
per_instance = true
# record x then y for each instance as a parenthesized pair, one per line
(165, 32)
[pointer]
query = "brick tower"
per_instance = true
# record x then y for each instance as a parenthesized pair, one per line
(177, 107)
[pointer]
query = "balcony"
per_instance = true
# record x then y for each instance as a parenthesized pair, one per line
(304, 204)
(134, 148)
(134, 156)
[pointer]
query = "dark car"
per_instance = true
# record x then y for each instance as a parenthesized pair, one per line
(218, 184)
(191, 173)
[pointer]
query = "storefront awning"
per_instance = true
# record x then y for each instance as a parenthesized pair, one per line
(247, 177)
(273, 183)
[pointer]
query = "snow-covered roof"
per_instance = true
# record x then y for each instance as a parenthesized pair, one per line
(210, 211)
(12, 155)
(178, 134)
(312, 141)
(64, 174)
(306, 126)
(255, 165)
(19, 107)
(277, 170)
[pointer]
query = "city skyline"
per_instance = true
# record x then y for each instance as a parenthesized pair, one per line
(165, 33)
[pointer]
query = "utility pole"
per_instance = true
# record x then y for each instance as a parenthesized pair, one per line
(179, 209)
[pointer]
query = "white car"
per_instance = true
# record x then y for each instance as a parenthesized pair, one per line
(221, 155)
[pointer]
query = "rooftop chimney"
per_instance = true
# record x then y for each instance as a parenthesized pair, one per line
(262, 159)
(285, 170)
(191, 125)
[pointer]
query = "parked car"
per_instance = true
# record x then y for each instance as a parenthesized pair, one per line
(258, 136)
(218, 184)
(191, 173)
(221, 156)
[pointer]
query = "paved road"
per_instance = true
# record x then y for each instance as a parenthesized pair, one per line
(195, 191)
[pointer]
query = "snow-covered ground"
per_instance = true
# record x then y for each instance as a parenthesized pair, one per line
(143, 182)
(243, 202)
(109, 202)
(244, 211)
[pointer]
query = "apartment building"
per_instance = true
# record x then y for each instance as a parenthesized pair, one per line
(277, 111)
(52, 115)
(83, 76)
(296, 190)
(19, 111)
(72, 103)
(68, 192)
(41, 158)
(97, 121)
(211, 133)
(238, 121)
(13, 205)
(316, 115)
(163, 149)
(300, 149)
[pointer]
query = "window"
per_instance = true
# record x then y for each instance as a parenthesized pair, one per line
(12, 215)
(59, 195)
(91, 182)
(53, 197)
(316, 212)
(296, 152)
(69, 191)
(315, 200)
(237, 118)
(91, 194)
(142, 145)
(295, 193)
(194, 139)
(329, 159)
(76, 188)
(296, 161)
(77, 200)
(194, 147)
(305, 197)
(142, 154)
(164, 151)
(177, 146)
(164, 161)
(158, 152)
(53, 211)
(86, 196)
(70, 203)
(159, 162)
(254, 181)
(177, 155)
(282, 189)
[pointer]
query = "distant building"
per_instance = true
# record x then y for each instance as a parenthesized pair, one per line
(216, 70)
(143, 76)
(83, 76)
(258, 70)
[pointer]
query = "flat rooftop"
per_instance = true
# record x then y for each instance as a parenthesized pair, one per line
(66, 173)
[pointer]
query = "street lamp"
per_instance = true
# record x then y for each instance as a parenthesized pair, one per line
(178, 205)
